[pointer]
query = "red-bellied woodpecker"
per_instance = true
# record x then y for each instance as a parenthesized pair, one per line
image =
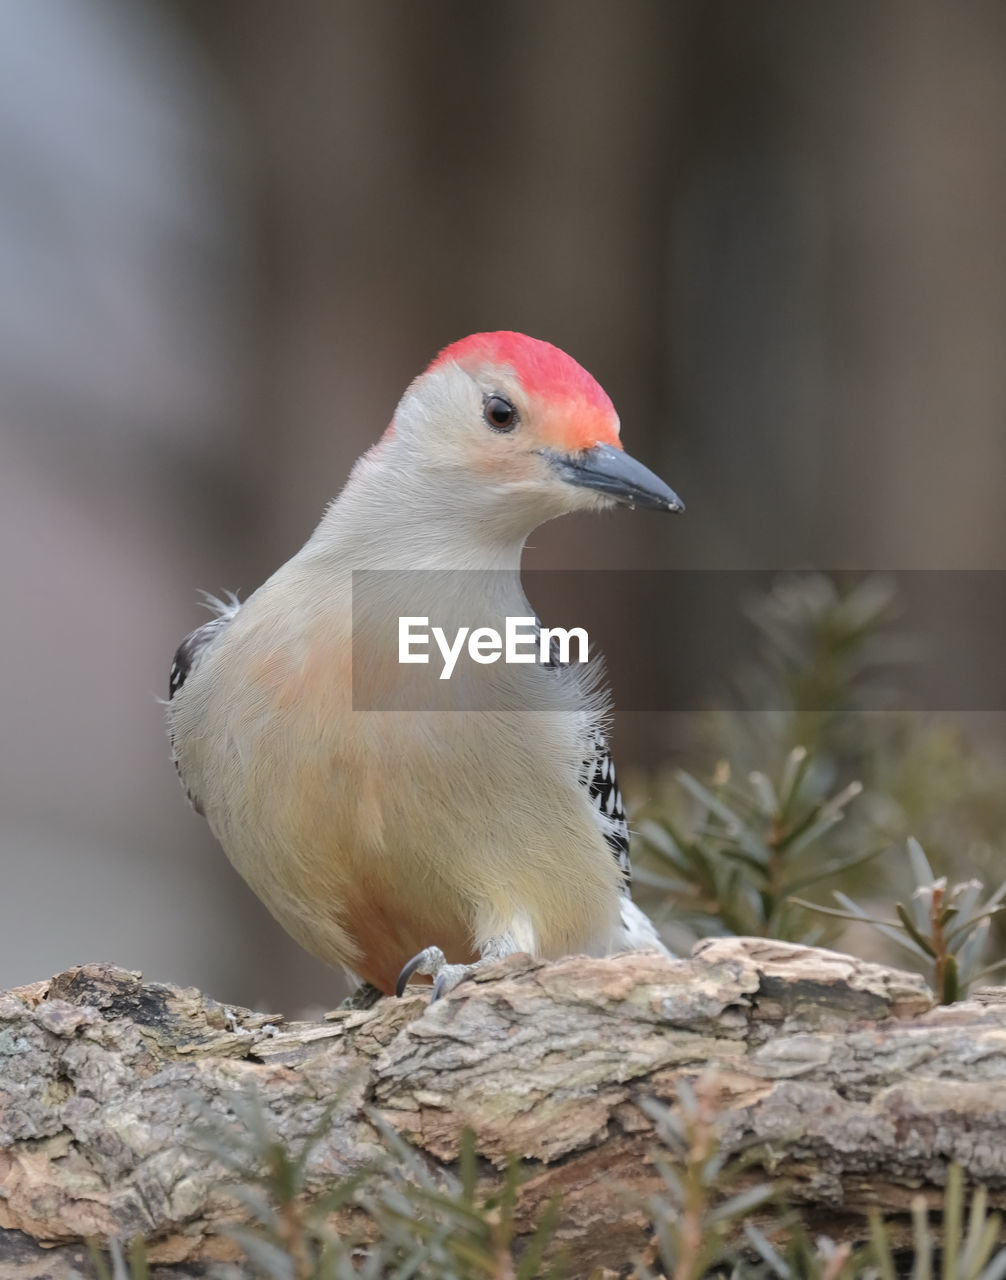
(401, 841)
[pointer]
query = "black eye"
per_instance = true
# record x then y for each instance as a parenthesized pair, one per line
(499, 413)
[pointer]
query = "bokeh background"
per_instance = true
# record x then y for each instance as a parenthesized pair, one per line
(230, 233)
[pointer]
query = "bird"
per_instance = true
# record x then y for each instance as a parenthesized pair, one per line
(392, 823)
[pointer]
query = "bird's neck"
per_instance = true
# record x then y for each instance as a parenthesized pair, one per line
(406, 518)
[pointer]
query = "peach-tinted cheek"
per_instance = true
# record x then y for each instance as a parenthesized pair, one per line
(519, 467)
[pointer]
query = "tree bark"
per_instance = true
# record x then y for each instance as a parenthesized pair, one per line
(858, 1089)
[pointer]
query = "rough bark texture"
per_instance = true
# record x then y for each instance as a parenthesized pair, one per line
(861, 1090)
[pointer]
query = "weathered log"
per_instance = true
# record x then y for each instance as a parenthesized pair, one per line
(860, 1090)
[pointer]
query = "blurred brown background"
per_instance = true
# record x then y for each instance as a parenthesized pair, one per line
(230, 233)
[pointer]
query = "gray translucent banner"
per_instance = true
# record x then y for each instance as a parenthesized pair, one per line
(680, 640)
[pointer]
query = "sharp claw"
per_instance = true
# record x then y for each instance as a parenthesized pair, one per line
(429, 961)
(406, 974)
(451, 976)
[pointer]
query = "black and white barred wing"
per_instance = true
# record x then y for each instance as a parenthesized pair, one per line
(598, 776)
(602, 787)
(190, 653)
(637, 931)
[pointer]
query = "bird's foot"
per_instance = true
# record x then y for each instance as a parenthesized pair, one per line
(365, 996)
(432, 962)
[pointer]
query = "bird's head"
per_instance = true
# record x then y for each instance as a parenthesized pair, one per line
(517, 427)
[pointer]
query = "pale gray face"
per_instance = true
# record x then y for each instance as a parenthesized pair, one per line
(479, 429)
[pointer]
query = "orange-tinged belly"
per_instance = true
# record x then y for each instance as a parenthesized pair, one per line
(388, 934)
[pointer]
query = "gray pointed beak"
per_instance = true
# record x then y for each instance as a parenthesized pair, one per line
(612, 472)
